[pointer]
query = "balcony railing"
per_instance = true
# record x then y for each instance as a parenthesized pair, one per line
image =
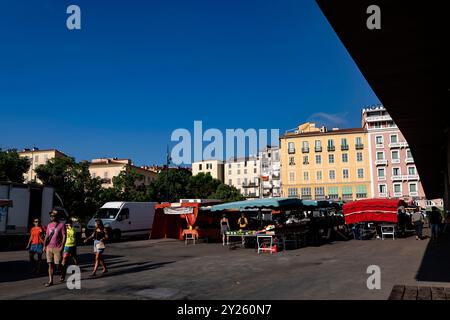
(398, 194)
(344, 147)
(397, 178)
(318, 149)
(411, 177)
(381, 178)
(383, 195)
(378, 118)
(381, 162)
(395, 160)
(250, 185)
(379, 146)
(359, 146)
(291, 150)
(409, 160)
(403, 144)
(331, 148)
(305, 149)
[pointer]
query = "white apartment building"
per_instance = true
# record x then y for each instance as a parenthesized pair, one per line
(270, 172)
(214, 167)
(244, 174)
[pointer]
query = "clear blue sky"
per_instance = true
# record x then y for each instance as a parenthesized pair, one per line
(140, 69)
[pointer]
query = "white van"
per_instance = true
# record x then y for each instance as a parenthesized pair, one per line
(125, 218)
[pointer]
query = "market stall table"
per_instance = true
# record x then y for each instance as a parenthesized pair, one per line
(272, 239)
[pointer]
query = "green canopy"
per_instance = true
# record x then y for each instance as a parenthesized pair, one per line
(265, 203)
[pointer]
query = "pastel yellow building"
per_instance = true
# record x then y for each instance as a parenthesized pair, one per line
(38, 157)
(317, 163)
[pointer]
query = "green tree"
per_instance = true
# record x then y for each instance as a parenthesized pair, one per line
(129, 186)
(227, 193)
(170, 185)
(202, 186)
(12, 166)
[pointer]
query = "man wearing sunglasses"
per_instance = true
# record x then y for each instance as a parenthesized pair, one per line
(53, 245)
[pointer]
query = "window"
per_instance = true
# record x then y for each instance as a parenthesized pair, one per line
(36, 158)
(333, 192)
(395, 156)
(319, 175)
(382, 188)
(319, 192)
(229, 166)
(105, 175)
(394, 138)
(347, 192)
(396, 172)
(360, 173)
(318, 145)
(330, 145)
(305, 144)
(318, 159)
(377, 125)
(305, 160)
(94, 175)
(380, 155)
(255, 170)
(292, 192)
(379, 140)
(381, 173)
(332, 174)
(229, 172)
(306, 175)
(397, 188)
(412, 188)
(345, 174)
(359, 156)
(306, 193)
(291, 161)
(331, 158)
(230, 182)
(238, 165)
(200, 167)
(245, 171)
(291, 147)
(408, 154)
(345, 157)
(292, 176)
(344, 142)
(245, 181)
(361, 192)
(239, 181)
(45, 158)
(239, 171)
(412, 171)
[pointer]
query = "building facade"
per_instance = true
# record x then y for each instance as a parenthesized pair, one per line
(270, 172)
(244, 174)
(317, 163)
(38, 157)
(214, 167)
(108, 168)
(392, 168)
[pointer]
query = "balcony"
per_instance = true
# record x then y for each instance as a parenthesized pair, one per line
(403, 144)
(359, 146)
(250, 185)
(276, 176)
(344, 147)
(413, 194)
(411, 177)
(291, 150)
(379, 146)
(397, 178)
(395, 161)
(381, 178)
(398, 194)
(409, 160)
(305, 150)
(378, 118)
(381, 162)
(331, 148)
(318, 149)
(383, 195)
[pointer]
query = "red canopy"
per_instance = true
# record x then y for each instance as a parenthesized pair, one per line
(372, 210)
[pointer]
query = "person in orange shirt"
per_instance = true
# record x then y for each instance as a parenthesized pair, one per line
(36, 245)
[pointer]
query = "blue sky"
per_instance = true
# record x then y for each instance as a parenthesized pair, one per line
(140, 69)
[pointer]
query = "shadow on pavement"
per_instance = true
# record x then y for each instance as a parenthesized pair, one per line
(12, 271)
(435, 264)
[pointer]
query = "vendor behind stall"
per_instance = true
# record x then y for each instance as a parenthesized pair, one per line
(243, 222)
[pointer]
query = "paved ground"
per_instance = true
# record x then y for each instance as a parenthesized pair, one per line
(167, 269)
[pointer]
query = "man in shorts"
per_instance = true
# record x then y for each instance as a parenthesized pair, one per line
(53, 245)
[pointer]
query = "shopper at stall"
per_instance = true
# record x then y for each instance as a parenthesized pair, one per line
(417, 219)
(435, 222)
(224, 228)
(243, 222)
(401, 218)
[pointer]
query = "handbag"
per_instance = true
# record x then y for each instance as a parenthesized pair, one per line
(100, 245)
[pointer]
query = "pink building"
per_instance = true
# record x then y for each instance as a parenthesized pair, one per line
(392, 169)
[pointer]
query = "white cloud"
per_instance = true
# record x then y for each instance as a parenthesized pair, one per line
(330, 119)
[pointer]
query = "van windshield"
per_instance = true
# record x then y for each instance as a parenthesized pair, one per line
(105, 213)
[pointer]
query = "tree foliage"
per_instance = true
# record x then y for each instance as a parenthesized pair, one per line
(12, 166)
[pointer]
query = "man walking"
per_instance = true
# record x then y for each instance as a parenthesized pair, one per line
(53, 245)
(417, 219)
(435, 222)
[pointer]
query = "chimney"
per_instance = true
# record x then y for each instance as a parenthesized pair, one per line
(35, 149)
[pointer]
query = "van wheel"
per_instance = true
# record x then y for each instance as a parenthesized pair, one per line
(116, 235)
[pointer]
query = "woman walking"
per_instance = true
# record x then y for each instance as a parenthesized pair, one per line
(224, 228)
(36, 246)
(100, 235)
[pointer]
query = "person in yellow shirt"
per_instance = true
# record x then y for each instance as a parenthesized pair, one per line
(70, 248)
(243, 222)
